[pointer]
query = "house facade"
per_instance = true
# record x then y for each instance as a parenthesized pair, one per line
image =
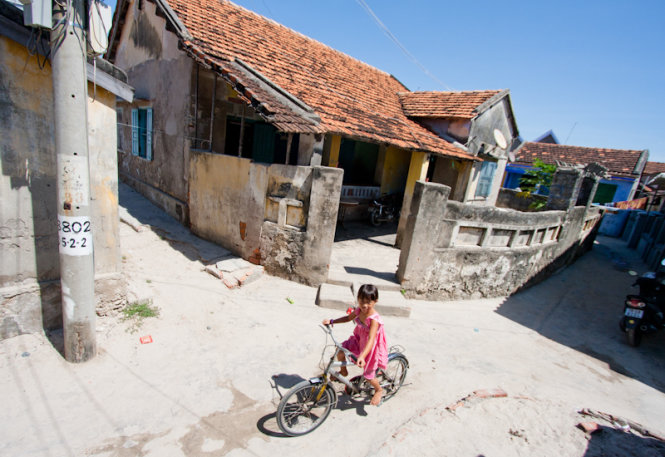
(479, 122)
(29, 258)
(624, 167)
(214, 79)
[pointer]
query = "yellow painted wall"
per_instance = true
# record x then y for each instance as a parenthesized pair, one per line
(396, 166)
(28, 168)
(335, 143)
(28, 189)
(417, 172)
(103, 159)
(227, 200)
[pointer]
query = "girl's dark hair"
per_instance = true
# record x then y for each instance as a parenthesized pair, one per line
(368, 292)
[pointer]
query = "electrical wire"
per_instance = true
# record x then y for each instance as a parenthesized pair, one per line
(406, 52)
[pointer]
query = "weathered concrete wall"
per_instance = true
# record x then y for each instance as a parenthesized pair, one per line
(162, 77)
(453, 250)
(509, 198)
(29, 259)
(227, 200)
(304, 255)
(287, 214)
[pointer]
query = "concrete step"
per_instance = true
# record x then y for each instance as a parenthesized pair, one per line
(341, 297)
(340, 277)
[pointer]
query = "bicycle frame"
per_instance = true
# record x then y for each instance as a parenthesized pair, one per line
(350, 359)
(334, 363)
(308, 403)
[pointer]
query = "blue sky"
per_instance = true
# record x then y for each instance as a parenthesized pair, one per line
(592, 71)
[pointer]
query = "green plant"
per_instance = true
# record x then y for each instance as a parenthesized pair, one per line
(138, 311)
(538, 177)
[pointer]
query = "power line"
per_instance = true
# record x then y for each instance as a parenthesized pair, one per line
(400, 45)
(570, 133)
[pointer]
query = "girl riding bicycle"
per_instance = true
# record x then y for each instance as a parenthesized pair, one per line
(368, 342)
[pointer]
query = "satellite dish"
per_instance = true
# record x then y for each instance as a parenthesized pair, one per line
(500, 139)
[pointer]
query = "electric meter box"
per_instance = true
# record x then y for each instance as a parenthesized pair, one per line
(38, 13)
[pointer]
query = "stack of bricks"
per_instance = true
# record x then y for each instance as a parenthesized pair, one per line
(235, 272)
(255, 258)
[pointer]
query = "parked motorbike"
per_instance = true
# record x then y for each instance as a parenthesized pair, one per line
(643, 313)
(385, 209)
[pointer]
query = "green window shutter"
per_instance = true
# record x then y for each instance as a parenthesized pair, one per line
(135, 132)
(148, 130)
(605, 193)
(263, 143)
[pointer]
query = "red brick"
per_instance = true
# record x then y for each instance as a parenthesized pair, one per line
(230, 283)
(456, 406)
(589, 427)
(490, 393)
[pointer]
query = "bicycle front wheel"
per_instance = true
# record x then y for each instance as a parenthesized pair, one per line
(304, 408)
(392, 378)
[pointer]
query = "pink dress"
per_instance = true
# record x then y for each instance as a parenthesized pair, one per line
(378, 355)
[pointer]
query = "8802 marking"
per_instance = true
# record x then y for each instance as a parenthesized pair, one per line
(75, 235)
(73, 227)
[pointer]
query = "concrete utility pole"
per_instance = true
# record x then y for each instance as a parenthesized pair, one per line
(70, 94)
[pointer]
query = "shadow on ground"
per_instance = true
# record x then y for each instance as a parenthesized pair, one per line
(610, 442)
(580, 307)
(178, 236)
(354, 230)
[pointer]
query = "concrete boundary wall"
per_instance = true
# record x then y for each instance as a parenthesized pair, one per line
(453, 250)
(281, 216)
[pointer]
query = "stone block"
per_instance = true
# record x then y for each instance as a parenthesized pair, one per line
(214, 271)
(335, 297)
(232, 264)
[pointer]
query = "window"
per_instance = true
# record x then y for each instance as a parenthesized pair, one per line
(605, 193)
(261, 142)
(142, 133)
(486, 177)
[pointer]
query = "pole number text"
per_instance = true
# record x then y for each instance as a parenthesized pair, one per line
(74, 235)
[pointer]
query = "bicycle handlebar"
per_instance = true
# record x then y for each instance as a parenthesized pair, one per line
(328, 329)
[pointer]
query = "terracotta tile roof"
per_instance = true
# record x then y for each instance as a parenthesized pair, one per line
(464, 105)
(350, 97)
(653, 168)
(617, 161)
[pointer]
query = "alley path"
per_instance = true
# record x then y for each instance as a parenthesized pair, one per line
(209, 381)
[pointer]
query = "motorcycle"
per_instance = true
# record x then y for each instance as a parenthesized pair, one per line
(643, 313)
(385, 209)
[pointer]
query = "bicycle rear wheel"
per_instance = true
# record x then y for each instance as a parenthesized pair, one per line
(304, 408)
(392, 378)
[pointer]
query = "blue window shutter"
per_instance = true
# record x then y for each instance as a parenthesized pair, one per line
(135, 132)
(148, 128)
(485, 180)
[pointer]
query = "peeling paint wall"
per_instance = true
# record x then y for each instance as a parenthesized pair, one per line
(287, 214)
(29, 259)
(453, 250)
(227, 200)
(162, 77)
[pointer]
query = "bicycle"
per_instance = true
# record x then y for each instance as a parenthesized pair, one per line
(308, 404)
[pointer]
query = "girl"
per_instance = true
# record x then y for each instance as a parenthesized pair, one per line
(368, 341)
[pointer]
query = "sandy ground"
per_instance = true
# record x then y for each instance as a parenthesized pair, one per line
(219, 360)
